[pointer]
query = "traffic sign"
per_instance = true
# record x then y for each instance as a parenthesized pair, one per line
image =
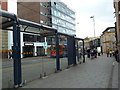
(44, 44)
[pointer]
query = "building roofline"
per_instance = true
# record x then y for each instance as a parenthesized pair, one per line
(108, 29)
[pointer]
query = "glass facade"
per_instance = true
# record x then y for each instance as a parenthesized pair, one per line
(63, 18)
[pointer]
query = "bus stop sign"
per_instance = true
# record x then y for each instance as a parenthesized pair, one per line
(44, 44)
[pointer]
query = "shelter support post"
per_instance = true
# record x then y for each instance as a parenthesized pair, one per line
(16, 55)
(57, 53)
(83, 52)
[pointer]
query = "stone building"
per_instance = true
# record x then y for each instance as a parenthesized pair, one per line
(108, 39)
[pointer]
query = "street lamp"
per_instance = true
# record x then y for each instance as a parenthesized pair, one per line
(93, 24)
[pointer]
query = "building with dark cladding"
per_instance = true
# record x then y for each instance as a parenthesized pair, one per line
(117, 23)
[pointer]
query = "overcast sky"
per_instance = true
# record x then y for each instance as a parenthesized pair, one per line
(101, 9)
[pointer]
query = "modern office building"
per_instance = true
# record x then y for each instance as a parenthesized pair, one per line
(63, 18)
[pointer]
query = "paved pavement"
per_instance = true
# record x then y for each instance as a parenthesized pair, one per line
(97, 73)
(32, 68)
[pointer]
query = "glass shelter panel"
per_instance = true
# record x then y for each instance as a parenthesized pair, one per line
(34, 60)
(79, 51)
(49, 60)
(36, 54)
(6, 53)
(63, 51)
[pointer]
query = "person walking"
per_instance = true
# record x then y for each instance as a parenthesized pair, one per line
(88, 53)
(92, 53)
(98, 53)
(95, 53)
(116, 55)
(108, 53)
(10, 54)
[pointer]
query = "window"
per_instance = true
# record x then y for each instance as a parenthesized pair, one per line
(40, 39)
(43, 13)
(43, 22)
(55, 13)
(44, 4)
(54, 3)
(29, 38)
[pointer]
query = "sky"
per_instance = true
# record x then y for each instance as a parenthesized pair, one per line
(102, 10)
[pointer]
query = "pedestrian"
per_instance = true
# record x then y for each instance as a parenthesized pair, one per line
(113, 53)
(88, 53)
(116, 55)
(95, 53)
(92, 53)
(10, 54)
(99, 53)
(108, 53)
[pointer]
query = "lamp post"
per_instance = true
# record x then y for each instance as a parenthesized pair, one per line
(93, 27)
(93, 23)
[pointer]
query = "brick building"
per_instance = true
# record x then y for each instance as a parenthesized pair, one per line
(3, 34)
(34, 11)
